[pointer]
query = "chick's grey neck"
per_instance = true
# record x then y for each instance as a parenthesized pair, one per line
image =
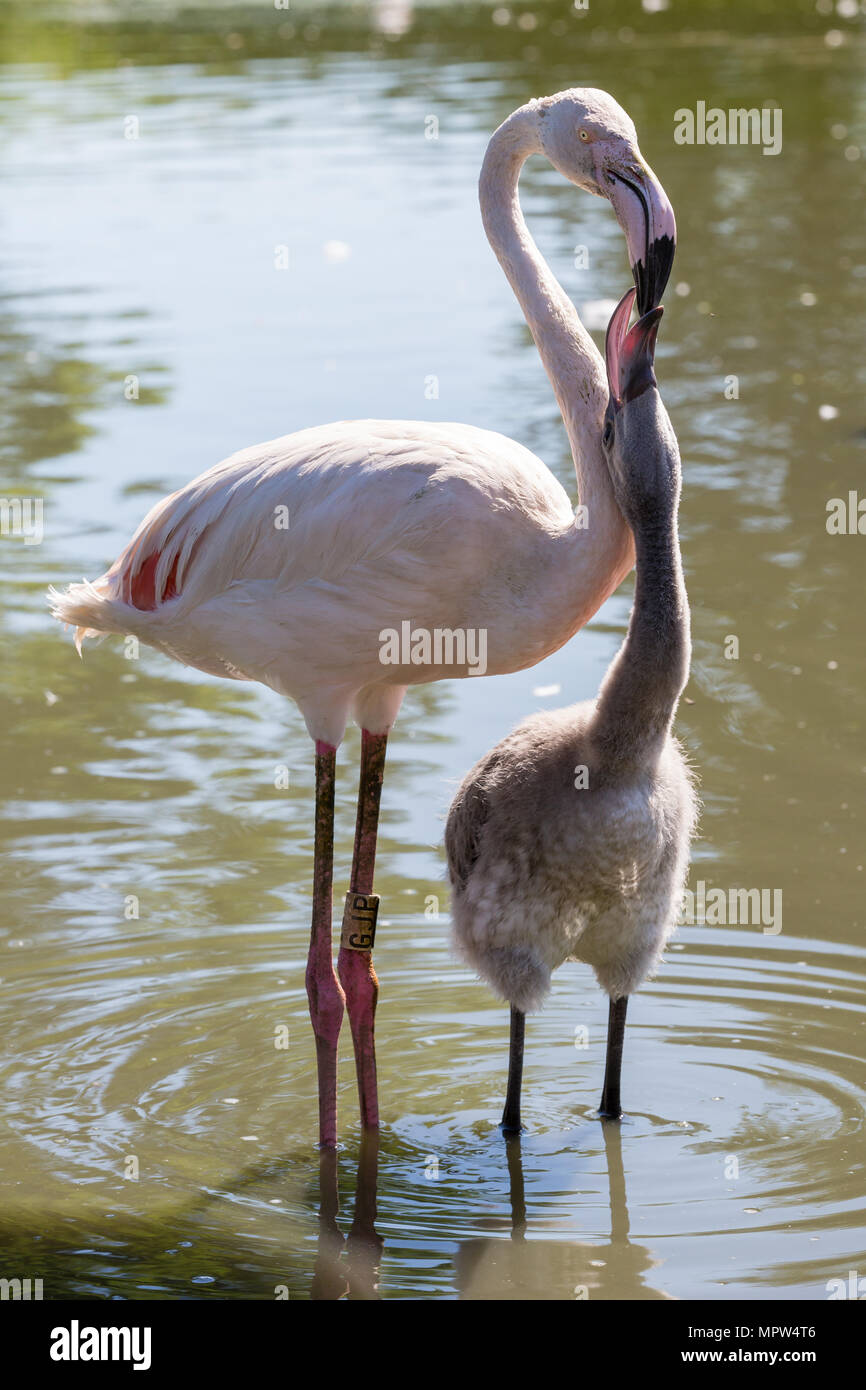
(639, 695)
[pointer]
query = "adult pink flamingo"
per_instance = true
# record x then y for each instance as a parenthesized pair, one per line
(288, 562)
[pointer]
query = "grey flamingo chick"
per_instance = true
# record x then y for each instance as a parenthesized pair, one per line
(569, 840)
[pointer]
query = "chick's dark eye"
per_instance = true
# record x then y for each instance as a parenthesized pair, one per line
(607, 436)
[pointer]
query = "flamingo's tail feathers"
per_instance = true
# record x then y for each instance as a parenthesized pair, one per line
(132, 595)
(89, 608)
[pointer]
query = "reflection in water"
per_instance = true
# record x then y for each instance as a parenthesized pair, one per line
(528, 1268)
(358, 1275)
(486, 1267)
(46, 393)
(329, 1274)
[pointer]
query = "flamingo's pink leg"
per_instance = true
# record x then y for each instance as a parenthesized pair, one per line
(355, 967)
(323, 989)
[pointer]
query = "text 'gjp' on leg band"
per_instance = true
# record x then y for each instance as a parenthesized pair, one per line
(359, 921)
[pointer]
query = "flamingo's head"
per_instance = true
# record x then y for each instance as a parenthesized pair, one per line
(588, 137)
(638, 440)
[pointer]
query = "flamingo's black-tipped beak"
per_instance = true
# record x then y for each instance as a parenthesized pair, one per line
(647, 218)
(651, 276)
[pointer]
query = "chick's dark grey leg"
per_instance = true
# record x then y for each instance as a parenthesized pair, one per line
(610, 1108)
(511, 1113)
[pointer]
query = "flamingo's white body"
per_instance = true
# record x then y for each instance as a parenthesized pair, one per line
(291, 558)
(287, 562)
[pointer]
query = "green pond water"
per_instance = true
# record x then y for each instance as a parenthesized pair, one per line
(154, 1142)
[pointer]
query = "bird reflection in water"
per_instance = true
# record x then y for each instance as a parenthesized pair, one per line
(487, 1267)
(356, 1276)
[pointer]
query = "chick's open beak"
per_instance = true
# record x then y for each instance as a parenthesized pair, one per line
(629, 353)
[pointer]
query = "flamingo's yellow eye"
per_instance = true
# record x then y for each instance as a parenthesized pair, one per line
(584, 134)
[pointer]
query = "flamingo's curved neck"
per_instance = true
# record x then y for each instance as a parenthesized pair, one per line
(571, 359)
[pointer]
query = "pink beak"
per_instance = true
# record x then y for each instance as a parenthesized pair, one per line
(630, 352)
